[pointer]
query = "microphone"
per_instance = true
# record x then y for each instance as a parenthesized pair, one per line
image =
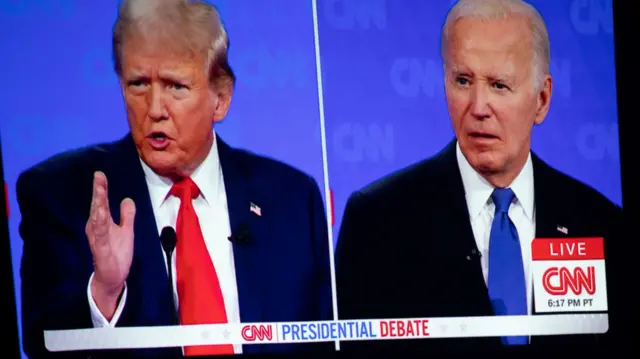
(242, 235)
(475, 255)
(168, 238)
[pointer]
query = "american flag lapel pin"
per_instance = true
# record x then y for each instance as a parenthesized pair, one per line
(255, 209)
(562, 229)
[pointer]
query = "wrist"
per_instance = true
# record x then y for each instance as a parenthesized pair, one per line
(109, 293)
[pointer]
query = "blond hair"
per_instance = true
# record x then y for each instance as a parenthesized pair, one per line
(175, 25)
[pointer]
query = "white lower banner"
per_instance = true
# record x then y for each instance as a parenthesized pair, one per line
(327, 331)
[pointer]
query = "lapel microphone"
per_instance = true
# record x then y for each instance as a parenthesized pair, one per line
(474, 255)
(168, 238)
(242, 235)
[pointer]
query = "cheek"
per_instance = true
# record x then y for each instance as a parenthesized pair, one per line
(137, 102)
(515, 122)
(191, 119)
(457, 107)
(136, 111)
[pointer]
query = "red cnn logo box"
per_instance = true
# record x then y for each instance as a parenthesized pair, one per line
(569, 275)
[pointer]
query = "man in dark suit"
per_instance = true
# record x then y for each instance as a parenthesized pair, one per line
(451, 236)
(252, 242)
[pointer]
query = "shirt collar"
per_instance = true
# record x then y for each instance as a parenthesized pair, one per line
(478, 190)
(207, 176)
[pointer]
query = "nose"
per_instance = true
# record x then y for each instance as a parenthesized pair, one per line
(480, 101)
(157, 110)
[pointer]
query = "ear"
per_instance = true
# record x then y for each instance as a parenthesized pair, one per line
(223, 93)
(544, 99)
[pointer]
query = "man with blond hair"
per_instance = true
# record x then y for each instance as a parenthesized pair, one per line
(451, 236)
(251, 232)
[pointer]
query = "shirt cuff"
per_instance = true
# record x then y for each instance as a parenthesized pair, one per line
(99, 321)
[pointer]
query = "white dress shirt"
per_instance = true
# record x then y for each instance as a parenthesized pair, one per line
(211, 208)
(481, 209)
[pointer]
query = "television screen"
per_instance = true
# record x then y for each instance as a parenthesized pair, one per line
(350, 175)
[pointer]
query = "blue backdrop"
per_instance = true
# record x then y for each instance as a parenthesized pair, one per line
(384, 106)
(384, 95)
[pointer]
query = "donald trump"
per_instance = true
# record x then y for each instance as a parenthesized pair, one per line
(252, 243)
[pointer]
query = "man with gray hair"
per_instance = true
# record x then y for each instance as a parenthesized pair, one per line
(250, 237)
(463, 221)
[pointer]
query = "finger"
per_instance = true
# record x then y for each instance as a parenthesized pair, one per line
(102, 191)
(127, 214)
(101, 224)
(98, 228)
(93, 211)
(100, 216)
(97, 197)
(98, 181)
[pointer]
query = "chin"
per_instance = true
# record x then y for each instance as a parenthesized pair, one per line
(161, 162)
(486, 162)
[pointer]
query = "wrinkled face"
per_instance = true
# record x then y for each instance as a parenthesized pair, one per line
(492, 93)
(170, 106)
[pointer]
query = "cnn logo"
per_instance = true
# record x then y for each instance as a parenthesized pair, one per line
(559, 280)
(251, 333)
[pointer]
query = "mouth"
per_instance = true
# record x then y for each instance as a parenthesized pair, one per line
(483, 136)
(158, 140)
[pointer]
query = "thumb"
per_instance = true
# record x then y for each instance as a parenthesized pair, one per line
(127, 213)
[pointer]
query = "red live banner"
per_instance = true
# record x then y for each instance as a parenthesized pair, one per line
(557, 249)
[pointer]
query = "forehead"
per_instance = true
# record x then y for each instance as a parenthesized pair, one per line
(139, 55)
(505, 43)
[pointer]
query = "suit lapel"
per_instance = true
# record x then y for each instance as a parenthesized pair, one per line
(249, 263)
(545, 219)
(549, 213)
(148, 278)
(456, 238)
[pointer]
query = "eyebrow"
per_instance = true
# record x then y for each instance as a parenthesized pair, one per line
(173, 76)
(502, 78)
(457, 71)
(492, 76)
(135, 74)
(167, 76)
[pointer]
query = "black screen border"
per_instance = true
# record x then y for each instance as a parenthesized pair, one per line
(10, 340)
(621, 318)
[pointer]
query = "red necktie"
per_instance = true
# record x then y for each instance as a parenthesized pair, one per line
(199, 294)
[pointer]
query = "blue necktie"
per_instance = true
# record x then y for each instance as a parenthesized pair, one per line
(506, 283)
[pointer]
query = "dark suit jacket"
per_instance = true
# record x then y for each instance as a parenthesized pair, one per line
(282, 275)
(404, 241)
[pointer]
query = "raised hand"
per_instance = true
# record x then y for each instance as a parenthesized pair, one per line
(111, 245)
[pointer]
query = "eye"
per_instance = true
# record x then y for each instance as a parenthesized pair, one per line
(462, 81)
(136, 83)
(500, 86)
(137, 86)
(177, 86)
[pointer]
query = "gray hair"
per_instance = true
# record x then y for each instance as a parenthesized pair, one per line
(181, 25)
(503, 9)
